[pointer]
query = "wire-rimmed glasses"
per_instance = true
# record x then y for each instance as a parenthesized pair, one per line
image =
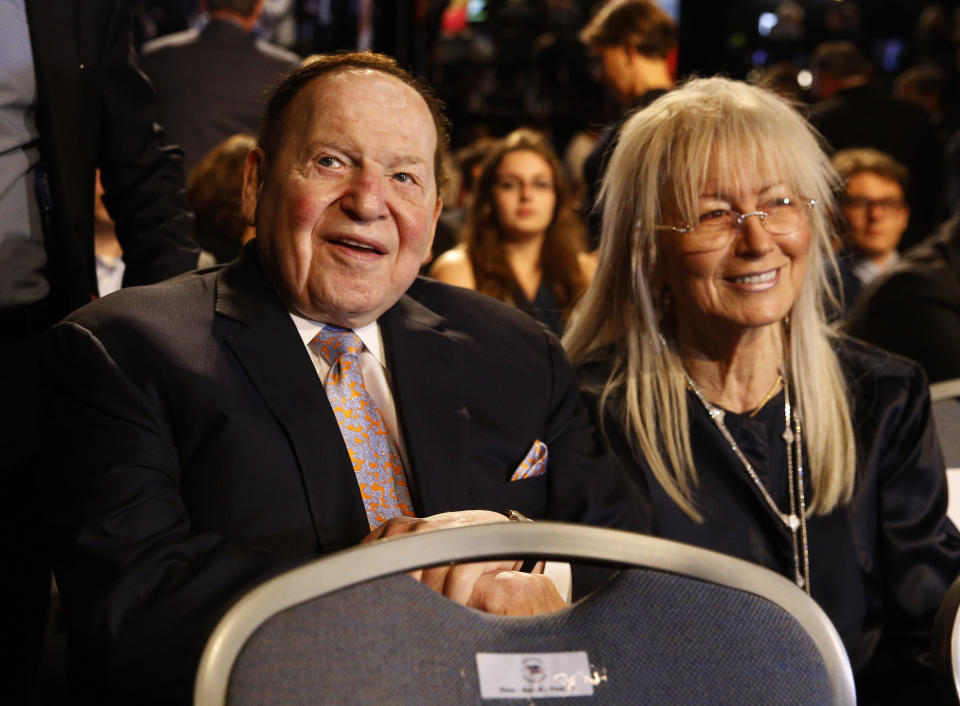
(780, 216)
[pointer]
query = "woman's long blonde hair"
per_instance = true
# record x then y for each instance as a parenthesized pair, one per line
(661, 161)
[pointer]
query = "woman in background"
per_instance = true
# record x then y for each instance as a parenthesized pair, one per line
(523, 243)
(748, 426)
(213, 190)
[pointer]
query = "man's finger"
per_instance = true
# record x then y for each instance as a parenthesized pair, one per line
(515, 593)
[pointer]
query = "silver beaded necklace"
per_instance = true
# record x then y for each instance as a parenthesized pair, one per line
(796, 519)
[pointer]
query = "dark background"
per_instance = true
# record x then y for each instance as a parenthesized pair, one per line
(518, 62)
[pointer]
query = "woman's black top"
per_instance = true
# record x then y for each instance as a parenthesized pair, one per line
(880, 565)
(543, 307)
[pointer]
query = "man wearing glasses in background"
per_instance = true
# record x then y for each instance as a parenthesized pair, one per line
(875, 215)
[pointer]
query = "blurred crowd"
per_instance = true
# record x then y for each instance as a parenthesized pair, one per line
(542, 66)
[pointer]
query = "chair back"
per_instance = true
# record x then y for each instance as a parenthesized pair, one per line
(679, 625)
(946, 644)
(945, 397)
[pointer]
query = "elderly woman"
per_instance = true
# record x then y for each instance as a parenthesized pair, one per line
(523, 242)
(747, 425)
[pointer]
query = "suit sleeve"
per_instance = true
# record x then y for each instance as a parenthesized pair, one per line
(911, 315)
(586, 482)
(918, 547)
(142, 176)
(127, 560)
(921, 545)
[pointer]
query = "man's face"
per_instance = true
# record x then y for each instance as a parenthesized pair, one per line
(616, 71)
(345, 211)
(876, 215)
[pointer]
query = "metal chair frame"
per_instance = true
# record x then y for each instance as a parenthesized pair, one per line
(548, 540)
(944, 390)
(946, 643)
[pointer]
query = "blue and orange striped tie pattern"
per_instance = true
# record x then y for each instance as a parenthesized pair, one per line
(376, 462)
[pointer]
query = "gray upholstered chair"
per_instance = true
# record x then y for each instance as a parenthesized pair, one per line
(945, 397)
(946, 644)
(681, 625)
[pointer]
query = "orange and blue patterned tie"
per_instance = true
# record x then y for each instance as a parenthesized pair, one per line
(376, 462)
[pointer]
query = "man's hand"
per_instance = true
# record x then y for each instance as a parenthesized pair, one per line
(515, 593)
(493, 586)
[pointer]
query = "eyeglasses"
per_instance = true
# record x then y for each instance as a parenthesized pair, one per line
(887, 205)
(779, 216)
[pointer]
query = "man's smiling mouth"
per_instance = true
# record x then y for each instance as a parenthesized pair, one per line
(356, 245)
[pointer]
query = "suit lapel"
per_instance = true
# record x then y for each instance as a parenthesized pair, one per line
(265, 341)
(426, 367)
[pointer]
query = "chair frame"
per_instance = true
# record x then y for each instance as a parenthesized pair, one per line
(944, 390)
(946, 643)
(547, 540)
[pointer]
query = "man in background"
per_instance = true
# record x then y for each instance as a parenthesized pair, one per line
(211, 83)
(875, 216)
(913, 309)
(71, 100)
(853, 111)
(632, 40)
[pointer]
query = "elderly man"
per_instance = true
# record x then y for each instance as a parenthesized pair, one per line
(217, 429)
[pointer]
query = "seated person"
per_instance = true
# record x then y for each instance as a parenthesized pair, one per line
(523, 242)
(748, 426)
(213, 190)
(107, 252)
(913, 309)
(456, 201)
(875, 215)
(217, 429)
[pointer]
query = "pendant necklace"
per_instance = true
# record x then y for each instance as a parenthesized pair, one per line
(795, 520)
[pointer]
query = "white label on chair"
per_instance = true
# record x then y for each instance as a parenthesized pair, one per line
(530, 674)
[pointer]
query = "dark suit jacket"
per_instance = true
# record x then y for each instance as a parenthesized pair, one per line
(94, 109)
(210, 83)
(845, 284)
(914, 309)
(879, 566)
(198, 455)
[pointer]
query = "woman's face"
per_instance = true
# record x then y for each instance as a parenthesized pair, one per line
(524, 195)
(745, 280)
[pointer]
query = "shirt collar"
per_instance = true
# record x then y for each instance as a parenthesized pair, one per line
(369, 334)
(865, 270)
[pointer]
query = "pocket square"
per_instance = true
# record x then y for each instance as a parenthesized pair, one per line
(534, 463)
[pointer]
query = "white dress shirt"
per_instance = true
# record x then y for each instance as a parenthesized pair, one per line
(866, 270)
(376, 377)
